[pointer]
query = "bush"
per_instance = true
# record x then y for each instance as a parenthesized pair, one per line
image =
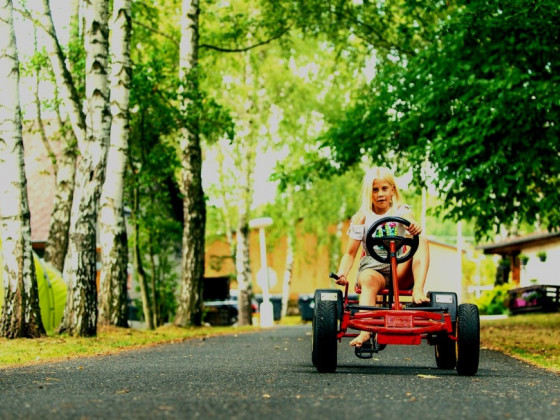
(495, 301)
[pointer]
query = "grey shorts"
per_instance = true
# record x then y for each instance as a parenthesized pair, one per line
(368, 262)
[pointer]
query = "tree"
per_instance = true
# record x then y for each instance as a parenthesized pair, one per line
(59, 225)
(473, 101)
(113, 303)
(21, 316)
(189, 309)
(80, 267)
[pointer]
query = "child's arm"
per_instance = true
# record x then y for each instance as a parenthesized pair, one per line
(354, 242)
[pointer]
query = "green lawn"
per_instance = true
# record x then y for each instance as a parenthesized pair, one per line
(534, 338)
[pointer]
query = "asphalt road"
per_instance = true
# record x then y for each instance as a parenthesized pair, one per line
(269, 374)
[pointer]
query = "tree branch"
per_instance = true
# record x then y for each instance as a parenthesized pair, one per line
(214, 47)
(149, 28)
(250, 47)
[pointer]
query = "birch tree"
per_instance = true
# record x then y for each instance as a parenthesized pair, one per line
(189, 309)
(245, 145)
(64, 82)
(20, 313)
(59, 225)
(113, 238)
(80, 267)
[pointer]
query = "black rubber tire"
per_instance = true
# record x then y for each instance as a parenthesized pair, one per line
(324, 340)
(446, 353)
(468, 339)
(313, 340)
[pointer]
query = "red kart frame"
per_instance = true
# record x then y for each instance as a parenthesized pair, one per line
(394, 325)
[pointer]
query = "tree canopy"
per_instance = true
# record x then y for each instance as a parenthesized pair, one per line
(478, 108)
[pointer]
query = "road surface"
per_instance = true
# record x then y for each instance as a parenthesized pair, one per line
(269, 375)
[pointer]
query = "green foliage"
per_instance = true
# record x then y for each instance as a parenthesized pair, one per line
(315, 210)
(495, 301)
(393, 28)
(472, 102)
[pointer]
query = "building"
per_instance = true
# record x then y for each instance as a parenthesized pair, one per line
(533, 259)
(311, 267)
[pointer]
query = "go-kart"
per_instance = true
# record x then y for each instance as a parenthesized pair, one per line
(454, 330)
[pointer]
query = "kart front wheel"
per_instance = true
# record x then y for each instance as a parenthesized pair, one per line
(324, 338)
(468, 339)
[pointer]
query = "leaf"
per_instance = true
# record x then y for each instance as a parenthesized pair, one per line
(423, 376)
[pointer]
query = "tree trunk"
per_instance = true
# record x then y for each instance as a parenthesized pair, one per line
(139, 267)
(59, 225)
(57, 242)
(80, 315)
(246, 153)
(62, 75)
(288, 273)
(189, 308)
(113, 305)
(21, 316)
(243, 272)
(153, 281)
(242, 256)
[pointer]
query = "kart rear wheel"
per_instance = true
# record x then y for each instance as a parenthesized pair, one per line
(468, 339)
(446, 353)
(324, 338)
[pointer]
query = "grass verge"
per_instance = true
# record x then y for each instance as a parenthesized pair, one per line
(534, 338)
(19, 352)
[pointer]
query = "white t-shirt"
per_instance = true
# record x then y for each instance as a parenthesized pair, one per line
(358, 232)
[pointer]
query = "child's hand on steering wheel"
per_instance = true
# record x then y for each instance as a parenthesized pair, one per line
(415, 228)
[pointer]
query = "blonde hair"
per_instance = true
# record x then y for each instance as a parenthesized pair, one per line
(384, 174)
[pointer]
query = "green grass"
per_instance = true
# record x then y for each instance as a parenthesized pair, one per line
(19, 352)
(534, 338)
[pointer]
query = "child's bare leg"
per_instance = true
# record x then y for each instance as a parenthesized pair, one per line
(371, 282)
(420, 265)
(412, 274)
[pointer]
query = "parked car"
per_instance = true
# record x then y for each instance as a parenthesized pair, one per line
(225, 311)
(234, 295)
(221, 312)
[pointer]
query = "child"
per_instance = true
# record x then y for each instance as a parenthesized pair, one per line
(381, 198)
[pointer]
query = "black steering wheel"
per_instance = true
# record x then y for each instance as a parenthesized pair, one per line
(373, 241)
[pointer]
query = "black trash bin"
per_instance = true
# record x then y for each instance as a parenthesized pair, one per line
(306, 304)
(276, 302)
(276, 307)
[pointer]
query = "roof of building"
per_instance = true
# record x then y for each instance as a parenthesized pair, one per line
(517, 243)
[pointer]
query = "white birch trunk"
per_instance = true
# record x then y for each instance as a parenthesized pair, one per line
(189, 305)
(288, 274)
(62, 74)
(57, 243)
(59, 225)
(246, 153)
(20, 313)
(242, 255)
(80, 315)
(113, 238)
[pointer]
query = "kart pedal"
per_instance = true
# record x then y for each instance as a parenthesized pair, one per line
(366, 350)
